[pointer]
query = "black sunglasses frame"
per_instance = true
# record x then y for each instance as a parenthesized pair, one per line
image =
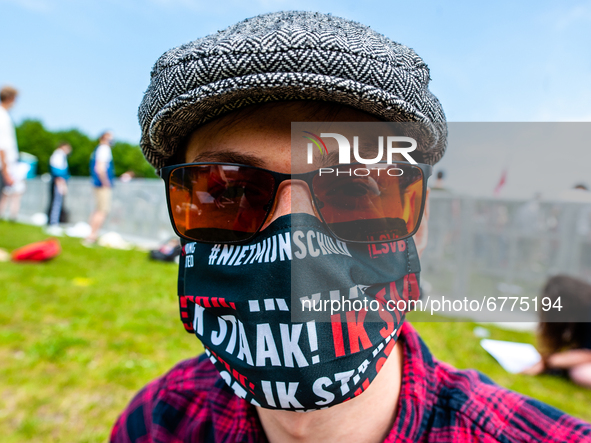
(279, 177)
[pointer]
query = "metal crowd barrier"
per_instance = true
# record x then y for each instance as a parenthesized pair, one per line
(477, 246)
(138, 207)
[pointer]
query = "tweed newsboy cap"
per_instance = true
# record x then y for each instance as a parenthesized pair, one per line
(286, 56)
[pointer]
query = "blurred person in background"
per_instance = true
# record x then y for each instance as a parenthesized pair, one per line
(12, 179)
(102, 172)
(127, 176)
(566, 346)
(58, 167)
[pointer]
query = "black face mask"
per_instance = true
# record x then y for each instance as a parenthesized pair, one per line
(263, 311)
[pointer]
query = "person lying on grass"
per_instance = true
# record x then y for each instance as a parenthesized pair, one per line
(566, 346)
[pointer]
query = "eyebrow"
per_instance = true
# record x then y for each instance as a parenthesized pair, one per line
(225, 156)
(228, 157)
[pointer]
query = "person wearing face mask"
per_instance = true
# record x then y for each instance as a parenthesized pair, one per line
(264, 232)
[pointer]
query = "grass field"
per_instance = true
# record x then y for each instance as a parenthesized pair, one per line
(79, 335)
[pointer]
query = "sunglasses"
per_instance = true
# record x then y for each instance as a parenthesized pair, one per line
(229, 203)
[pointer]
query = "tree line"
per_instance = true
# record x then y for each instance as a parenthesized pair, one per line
(35, 139)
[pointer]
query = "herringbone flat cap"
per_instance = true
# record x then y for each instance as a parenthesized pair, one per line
(286, 56)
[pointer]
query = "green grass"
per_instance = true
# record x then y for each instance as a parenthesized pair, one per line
(455, 343)
(79, 335)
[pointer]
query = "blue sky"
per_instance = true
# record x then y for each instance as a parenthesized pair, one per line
(85, 64)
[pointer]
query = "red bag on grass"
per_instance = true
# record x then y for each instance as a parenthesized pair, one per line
(39, 251)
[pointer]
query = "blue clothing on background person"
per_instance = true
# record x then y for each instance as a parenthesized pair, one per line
(103, 154)
(102, 171)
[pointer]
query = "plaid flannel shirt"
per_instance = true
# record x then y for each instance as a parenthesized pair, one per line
(437, 403)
